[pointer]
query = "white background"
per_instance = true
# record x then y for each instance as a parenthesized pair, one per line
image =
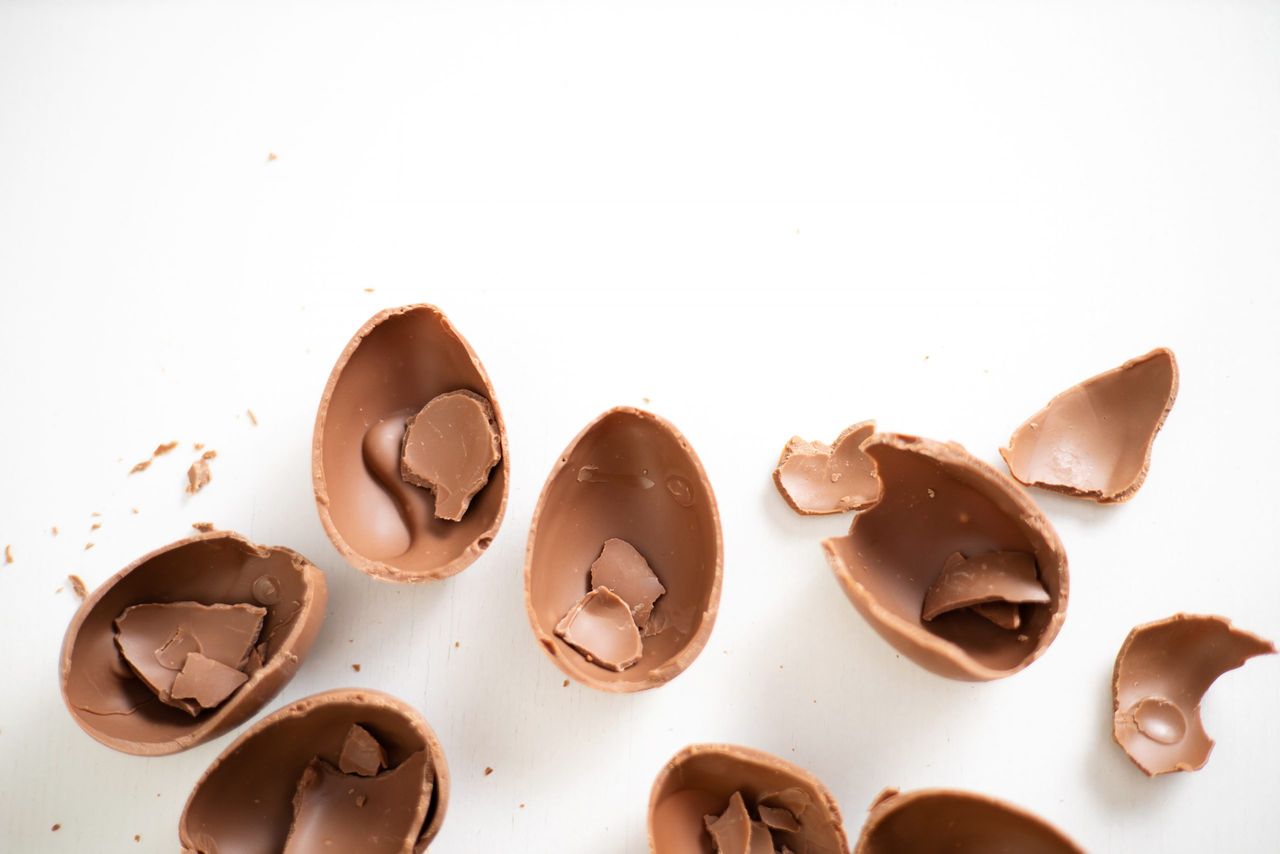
(766, 219)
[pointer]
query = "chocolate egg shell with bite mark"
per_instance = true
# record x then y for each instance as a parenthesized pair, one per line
(628, 475)
(220, 568)
(700, 780)
(956, 821)
(397, 363)
(936, 500)
(244, 802)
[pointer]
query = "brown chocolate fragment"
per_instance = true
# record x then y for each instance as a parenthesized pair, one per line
(936, 499)
(157, 639)
(205, 680)
(1161, 675)
(395, 365)
(734, 832)
(777, 818)
(1094, 439)
(140, 467)
(957, 822)
(8, 550)
(78, 587)
(625, 571)
(198, 476)
(205, 527)
(818, 479)
(361, 753)
(164, 448)
(628, 475)
(600, 627)
(450, 446)
(88, 546)
(253, 419)
(994, 578)
(333, 811)
(793, 800)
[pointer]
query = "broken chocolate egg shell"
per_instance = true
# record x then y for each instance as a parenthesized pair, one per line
(700, 780)
(1094, 439)
(399, 361)
(816, 479)
(956, 821)
(1162, 672)
(628, 475)
(118, 709)
(937, 499)
(243, 804)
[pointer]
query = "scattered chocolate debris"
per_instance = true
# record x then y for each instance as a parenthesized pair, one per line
(565, 684)
(487, 770)
(204, 527)
(253, 419)
(137, 837)
(272, 157)
(8, 551)
(133, 510)
(95, 526)
(356, 668)
(78, 586)
(368, 290)
(88, 546)
(199, 446)
(164, 449)
(142, 466)
(54, 530)
(198, 476)
(56, 828)
(208, 455)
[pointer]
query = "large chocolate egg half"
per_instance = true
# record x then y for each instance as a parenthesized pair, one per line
(250, 614)
(346, 770)
(623, 567)
(940, 505)
(409, 365)
(956, 822)
(776, 801)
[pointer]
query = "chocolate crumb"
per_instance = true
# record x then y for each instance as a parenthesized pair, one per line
(487, 770)
(457, 644)
(78, 587)
(566, 684)
(95, 526)
(522, 806)
(356, 668)
(54, 530)
(199, 446)
(8, 551)
(142, 466)
(271, 156)
(198, 476)
(135, 510)
(253, 419)
(204, 527)
(95, 513)
(59, 590)
(88, 546)
(56, 828)
(208, 455)
(368, 290)
(137, 837)
(164, 449)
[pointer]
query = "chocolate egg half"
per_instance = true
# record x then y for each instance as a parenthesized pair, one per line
(250, 613)
(294, 782)
(941, 509)
(779, 801)
(409, 364)
(628, 481)
(956, 822)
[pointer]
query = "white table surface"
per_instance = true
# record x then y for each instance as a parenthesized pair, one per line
(764, 218)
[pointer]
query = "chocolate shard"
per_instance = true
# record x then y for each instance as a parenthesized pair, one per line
(206, 681)
(991, 578)
(622, 569)
(450, 446)
(1162, 673)
(817, 479)
(333, 811)
(1094, 439)
(793, 800)
(600, 627)
(361, 753)
(1004, 614)
(734, 832)
(155, 640)
(777, 818)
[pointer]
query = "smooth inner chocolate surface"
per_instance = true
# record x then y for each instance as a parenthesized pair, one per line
(600, 626)
(956, 821)
(991, 578)
(398, 362)
(450, 446)
(108, 700)
(244, 802)
(206, 681)
(632, 476)
(333, 811)
(1162, 672)
(936, 499)
(625, 571)
(817, 479)
(1094, 439)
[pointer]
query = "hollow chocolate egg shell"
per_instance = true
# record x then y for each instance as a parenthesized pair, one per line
(957, 822)
(112, 704)
(383, 524)
(936, 500)
(283, 781)
(702, 779)
(628, 475)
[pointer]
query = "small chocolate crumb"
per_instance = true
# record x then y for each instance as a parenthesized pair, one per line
(95, 526)
(137, 837)
(78, 586)
(199, 446)
(95, 513)
(457, 644)
(356, 668)
(164, 449)
(198, 476)
(142, 466)
(8, 551)
(253, 419)
(56, 828)
(487, 770)
(566, 684)
(368, 290)
(522, 806)
(271, 156)
(54, 530)
(134, 510)
(205, 527)
(88, 546)
(208, 455)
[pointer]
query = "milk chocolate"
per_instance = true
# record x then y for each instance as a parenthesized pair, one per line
(450, 446)
(819, 479)
(625, 571)
(1162, 673)
(394, 366)
(245, 800)
(734, 831)
(710, 779)
(957, 822)
(936, 499)
(198, 476)
(994, 578)
(1094, 439)
(631, 475)
(600, 626)
(777, 818)
(205, 680)
(361, 753)
(104, 694)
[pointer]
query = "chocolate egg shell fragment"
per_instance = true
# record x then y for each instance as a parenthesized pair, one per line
(704, 783)
(1094, 439)
(936, 500)
(1162, 673)
(186, 592)
(282, 785)
(629, 475)
(956, 822)
(818, 479)
(384, 524)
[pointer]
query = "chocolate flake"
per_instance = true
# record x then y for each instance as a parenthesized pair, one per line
(450, 446)
(198, 476)
(164, 449)
(204, 527)
(78, 587)
(601, 627)
(994, 578)
(361, 753)
(819, 479)
(622, 569)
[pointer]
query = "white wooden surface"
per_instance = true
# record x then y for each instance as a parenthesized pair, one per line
(765, 218)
